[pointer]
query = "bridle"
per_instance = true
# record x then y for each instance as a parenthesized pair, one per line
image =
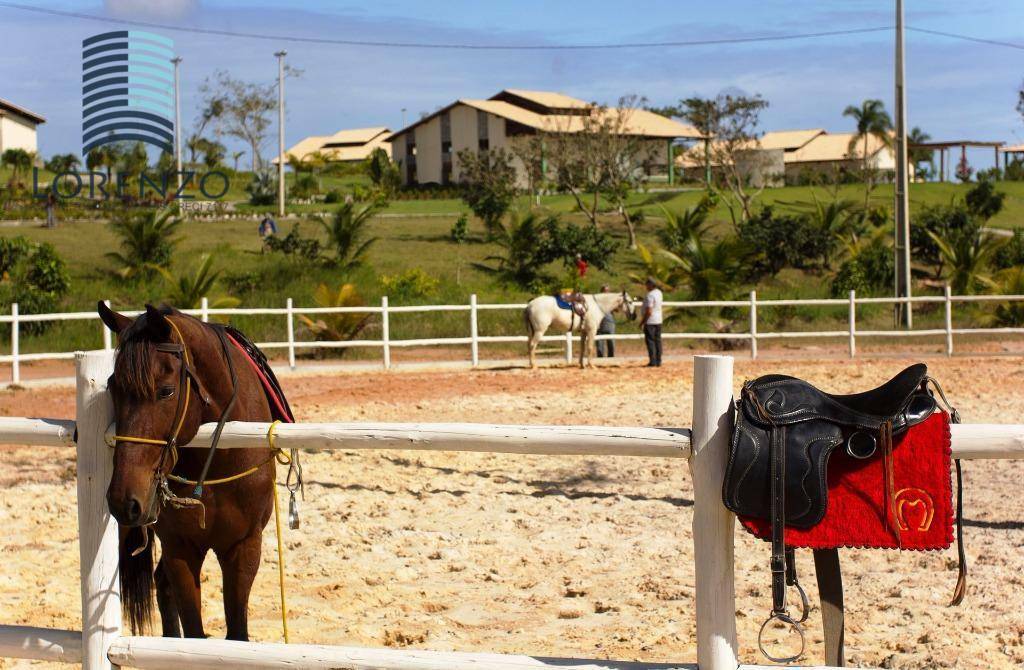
(169, 454)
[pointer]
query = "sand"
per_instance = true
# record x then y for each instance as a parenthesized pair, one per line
(560, 556)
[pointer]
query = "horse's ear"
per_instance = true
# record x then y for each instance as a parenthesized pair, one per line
(111, 319)
(157, 323)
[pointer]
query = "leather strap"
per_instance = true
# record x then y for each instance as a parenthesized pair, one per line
(215, 439)
(830, 590)
(778, 512)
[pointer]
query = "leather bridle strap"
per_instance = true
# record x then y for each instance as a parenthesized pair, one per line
(198, 490)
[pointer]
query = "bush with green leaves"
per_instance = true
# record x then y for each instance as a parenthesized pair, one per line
(187, 290)
(35, 277)
(383, 172)
(305, 186)
(562, 240)
(333, 197)
(868, 271)
(1011, 254)
(460, 230)
(983, 200)
(781, 241)
(522, 253)
(411, 284)
(147, 240)
(262, 189)
(295, 245)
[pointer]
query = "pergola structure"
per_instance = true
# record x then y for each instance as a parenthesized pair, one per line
(943, 147)
(1012, 152)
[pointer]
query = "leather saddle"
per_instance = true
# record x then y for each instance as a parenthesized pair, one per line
(785, 432)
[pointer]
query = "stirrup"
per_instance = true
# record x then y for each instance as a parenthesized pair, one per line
(784, 618)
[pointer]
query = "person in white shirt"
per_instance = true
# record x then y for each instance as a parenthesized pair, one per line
(651, 323)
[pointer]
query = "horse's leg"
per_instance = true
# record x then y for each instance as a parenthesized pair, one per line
(583, 346)
(182, 565)
(239, 565)
(534, 341)
(165, 602)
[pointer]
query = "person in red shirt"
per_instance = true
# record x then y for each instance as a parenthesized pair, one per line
(581, 266)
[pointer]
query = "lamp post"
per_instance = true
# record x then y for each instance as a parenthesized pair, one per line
(280, 132)
(177, 119)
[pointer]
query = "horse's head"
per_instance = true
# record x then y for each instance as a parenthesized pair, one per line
(158, 404)
(627, 306)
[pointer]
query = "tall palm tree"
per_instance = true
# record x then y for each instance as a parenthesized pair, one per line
(872, 121)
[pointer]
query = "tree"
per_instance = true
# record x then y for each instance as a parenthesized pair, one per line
(836, 219)
(530, 150)
(783, 240)
(872, 121)
(597, 156)
(19, 161)
(489, 184)
(732, 120)
(347, 231)
(235, 155)
(186, 291)
(147, 240)
(62, 163)
(869, 266)
(243, 110)
(679, 226)
(920, 155)
(383, 172)
(213, 108)
(983, 200)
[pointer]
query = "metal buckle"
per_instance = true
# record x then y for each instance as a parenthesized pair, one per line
(861, 445)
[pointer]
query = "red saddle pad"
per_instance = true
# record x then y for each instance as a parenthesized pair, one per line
(922, 513)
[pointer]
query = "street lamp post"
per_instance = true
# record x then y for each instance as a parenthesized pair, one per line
(177, 119)
(280, 132)
(904, 313)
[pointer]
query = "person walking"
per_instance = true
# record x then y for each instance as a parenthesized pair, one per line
(51, 209)
(651, 323)
(606, 348)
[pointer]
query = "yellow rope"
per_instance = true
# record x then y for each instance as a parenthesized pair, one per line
(280, 545)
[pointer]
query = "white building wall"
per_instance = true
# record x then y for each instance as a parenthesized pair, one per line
(464, 135)
(16, 133)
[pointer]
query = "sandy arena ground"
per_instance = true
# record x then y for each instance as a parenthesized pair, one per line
(581, 557)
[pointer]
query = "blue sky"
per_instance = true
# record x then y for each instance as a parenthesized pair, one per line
(955, 89)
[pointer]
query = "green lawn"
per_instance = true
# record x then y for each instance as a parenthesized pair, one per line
(415, 240)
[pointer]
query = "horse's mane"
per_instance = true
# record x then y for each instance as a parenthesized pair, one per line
(133, 367)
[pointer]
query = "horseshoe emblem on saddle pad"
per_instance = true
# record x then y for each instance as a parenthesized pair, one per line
(919, 503)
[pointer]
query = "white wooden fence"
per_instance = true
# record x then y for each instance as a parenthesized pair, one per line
(100, 643)
(474, 339)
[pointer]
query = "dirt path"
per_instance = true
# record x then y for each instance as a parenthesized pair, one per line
(556, 556)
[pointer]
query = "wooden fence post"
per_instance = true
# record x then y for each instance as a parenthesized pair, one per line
(853, 323)
(97, 530)
(949, 321)
(204, 309)
(712, 523)
(15, 345)
(568, 347)
(753, 324)
(474, 331)
(290, 308)
(107, 343)
(385, 331)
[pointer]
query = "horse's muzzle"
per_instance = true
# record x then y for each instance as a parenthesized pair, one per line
(130, 511)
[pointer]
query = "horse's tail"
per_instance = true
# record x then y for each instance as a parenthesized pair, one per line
(137, 577)
(529, 321)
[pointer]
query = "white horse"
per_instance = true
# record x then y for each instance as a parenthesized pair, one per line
(543, 312)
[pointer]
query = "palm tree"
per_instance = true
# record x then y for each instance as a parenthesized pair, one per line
(840, 220)
(235, 155)
(336, 327)
(872, 121)
(147, 242)
(522, 257)
(681, 225)
(188, 290)
(709, 270)
(347, 232)
(919, 155)
(967, 255)
(19, 161)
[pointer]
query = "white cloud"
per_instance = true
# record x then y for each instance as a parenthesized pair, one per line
(148, 9)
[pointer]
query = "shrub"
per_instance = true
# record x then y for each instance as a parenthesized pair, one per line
(522, 253)
(562, 240)
(333, 196)
(983, 200)
(869, 271)
(383, 172)
(944, 221)
(294, 244)
(147, 241)
(1010, 254)
(305, 186)
(262, 189)
(340, 326)
(782, 241)
(489, 184)
(409, 285)
(35, 277)
(186, 291)
(460, 230)
(348, 232)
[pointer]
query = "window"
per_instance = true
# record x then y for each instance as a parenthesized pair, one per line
(446, 148)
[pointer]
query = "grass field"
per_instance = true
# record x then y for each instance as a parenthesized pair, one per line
(415, 234)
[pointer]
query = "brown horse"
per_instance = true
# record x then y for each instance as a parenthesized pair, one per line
(171, 374)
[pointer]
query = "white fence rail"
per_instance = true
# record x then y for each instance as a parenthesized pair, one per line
(100, 643)
(474, 339)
